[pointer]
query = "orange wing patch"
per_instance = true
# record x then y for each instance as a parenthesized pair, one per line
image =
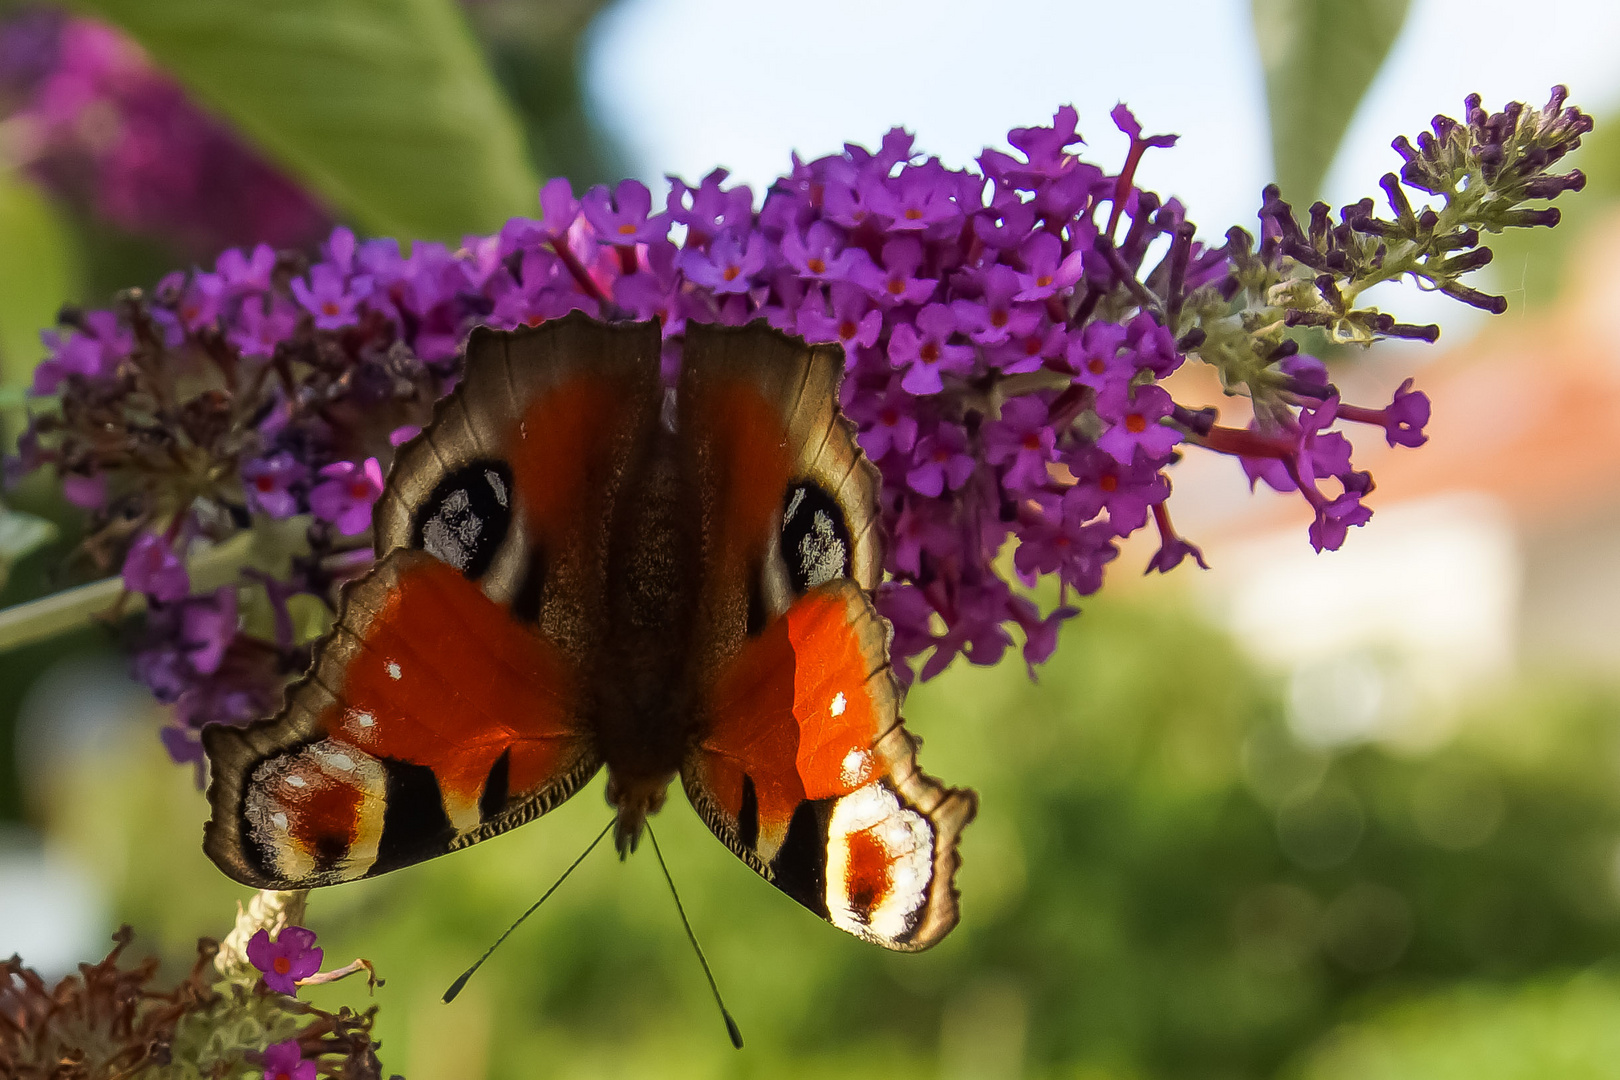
(432, 720)
(560, 450)
(807, 774)
(442, 677)
(797, 714)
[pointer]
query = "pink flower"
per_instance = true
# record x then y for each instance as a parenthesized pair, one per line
(268, 483)
(1133, 423)
(258, 331)
(854, 321)
(152, 567)
(346, 495)
(896, 281)
(285, 1061)
(329, 297)
(621, 218)
(925, 352)
(819, 253)
(1023, 441)
(1048, 269)
(293, 955)
(888, 423)
(995, 317)
(85, 492)
(941, 462)
(728, 266)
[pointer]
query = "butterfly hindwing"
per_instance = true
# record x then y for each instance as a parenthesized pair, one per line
(430, 720)
(445, 706)
(807, 774)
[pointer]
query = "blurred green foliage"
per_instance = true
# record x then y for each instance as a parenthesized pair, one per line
(385, 108)
(1554, 1027)
(38, 271)
(1162, 883)
(536, 54)
(1319, 58)
(1535, 271)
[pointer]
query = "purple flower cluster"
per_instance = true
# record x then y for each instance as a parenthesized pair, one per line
(98, 124)
(1005, 356)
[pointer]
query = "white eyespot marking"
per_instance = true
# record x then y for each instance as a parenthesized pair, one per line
(393, 670)
(297, 781)
(497, 485)
(821, 552)
(852, 770)
(362, 719)
(451, 534)
(839, 704)
(793, 506)
(341, 761)
(279, 820)
(880, 863)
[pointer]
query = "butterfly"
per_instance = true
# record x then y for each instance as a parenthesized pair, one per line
(579, 568)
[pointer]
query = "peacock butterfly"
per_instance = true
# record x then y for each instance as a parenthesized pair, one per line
(582, 568)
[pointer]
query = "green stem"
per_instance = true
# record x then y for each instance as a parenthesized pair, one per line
(1461, 209)
(71, 609)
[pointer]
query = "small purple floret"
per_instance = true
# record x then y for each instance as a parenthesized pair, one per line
(285, 1061)
(152, 567)
(346, 493)
(293, 955)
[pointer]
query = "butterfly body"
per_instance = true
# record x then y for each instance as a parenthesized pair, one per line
(581, 568)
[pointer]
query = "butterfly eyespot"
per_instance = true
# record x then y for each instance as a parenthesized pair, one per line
(467, 517)
(815, 537)
(879, 864)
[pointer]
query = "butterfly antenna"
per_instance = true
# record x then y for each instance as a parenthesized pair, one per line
(455, 987)
(731, 1025)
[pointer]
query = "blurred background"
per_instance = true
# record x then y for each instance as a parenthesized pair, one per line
(1316, 816)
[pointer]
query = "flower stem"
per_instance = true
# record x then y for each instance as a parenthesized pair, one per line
(58, 613)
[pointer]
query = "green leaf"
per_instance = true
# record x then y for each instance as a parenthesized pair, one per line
(1319, 58)
(38, 273)
(385, 108)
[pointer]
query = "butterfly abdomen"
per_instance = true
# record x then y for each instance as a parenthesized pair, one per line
(642, 694)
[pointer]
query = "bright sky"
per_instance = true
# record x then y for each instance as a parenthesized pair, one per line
(689, 84)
